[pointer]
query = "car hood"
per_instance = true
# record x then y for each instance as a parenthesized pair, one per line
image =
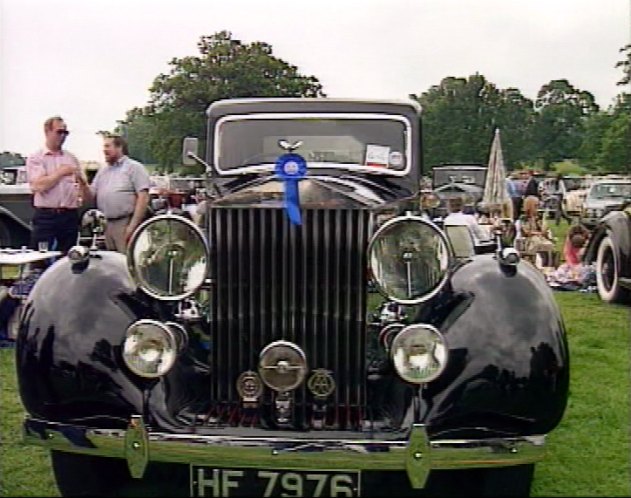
(314, 192)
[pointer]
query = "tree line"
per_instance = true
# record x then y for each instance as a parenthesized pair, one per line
(459, 113)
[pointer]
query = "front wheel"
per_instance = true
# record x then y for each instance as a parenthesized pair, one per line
(514, 480)
(5, 235)
(607, 278)
(87, 475)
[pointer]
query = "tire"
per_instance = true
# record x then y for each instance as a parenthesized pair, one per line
(513, 481)
(5, 235)
(607, 278)
(86, 475)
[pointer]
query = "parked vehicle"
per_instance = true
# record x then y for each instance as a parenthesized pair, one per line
(458, 180)
(249, 357)
(16, 207)
(609, 248)
(604, 196)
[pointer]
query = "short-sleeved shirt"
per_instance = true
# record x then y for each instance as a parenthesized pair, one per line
(116, 185)
(65, 193)
(459, 218)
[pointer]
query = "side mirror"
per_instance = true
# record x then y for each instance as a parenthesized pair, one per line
(190, 145)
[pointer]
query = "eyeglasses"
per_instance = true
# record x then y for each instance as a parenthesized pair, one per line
(62, 132)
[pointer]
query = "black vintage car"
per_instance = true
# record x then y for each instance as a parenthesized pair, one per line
(609, 249)
(249, 356)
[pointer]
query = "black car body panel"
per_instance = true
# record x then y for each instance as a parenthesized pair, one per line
(308, 290)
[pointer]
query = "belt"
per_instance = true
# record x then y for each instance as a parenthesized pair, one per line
(116, 218)
(56, 210)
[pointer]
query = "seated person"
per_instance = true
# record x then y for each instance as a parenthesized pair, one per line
(457, 218)
(534, 230)
(575, 241)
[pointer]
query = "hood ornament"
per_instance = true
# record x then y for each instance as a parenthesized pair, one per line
(289, 147)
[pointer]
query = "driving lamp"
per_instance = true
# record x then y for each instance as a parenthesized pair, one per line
(419, 353)
(409, 259)
(282, 365)
(168, 257)
(150, 348)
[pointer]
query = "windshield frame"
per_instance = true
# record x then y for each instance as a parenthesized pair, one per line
(270, 167)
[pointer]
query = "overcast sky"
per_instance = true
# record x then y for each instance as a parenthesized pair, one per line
(92, 60)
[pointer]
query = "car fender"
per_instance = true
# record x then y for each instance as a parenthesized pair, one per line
(68, 353)
(508, 367)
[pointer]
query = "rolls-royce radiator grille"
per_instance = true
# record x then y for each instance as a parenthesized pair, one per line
(300, 283)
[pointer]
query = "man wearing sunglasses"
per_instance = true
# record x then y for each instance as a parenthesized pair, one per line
(53, 174)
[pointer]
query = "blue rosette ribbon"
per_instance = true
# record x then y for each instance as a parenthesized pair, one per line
(290, 168)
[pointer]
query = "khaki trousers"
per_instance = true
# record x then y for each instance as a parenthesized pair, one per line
(115, 235)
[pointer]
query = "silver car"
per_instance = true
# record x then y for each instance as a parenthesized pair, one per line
(604, 196)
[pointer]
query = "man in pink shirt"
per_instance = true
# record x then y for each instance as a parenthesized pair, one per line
(53, 174)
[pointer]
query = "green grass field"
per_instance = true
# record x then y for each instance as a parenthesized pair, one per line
(588, 454)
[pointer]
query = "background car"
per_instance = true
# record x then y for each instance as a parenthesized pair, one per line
(458, 180)
(604, 195)
(16, 207)
(609, 249)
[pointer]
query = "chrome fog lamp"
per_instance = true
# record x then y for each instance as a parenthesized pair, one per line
(150, 348)
(419, 353)
(409, 259)
(168, 257)
(282, 366)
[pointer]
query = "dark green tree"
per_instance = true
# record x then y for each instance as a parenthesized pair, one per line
(561, 111)
(225, 68)
(460, 116)
(11, 159)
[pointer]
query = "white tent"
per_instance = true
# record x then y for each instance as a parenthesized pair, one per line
(495, 195)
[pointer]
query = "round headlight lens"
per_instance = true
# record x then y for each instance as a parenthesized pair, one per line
(150, 348)
(409, 259)
(168, 257)
(419, 353)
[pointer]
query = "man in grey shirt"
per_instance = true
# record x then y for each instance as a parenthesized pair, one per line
(121, 189)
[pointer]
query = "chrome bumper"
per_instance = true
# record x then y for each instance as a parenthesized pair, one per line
(417, 455)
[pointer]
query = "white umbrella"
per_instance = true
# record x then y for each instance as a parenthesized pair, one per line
(495, 192)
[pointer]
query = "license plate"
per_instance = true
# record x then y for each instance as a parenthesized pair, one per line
(214, 482)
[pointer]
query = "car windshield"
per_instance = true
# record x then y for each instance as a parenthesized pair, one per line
(610, 190)
(326, 141)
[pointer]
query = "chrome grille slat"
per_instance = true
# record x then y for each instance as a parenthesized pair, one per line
(301, 283)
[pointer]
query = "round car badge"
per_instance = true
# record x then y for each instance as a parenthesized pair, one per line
(249, 386)
(321, 383)
(396, 158)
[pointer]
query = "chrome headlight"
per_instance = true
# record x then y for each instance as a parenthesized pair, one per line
(409, 259)
(419, 353)
(151, 348)
(168, 257)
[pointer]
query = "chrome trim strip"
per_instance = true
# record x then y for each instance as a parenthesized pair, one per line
(417, 456)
